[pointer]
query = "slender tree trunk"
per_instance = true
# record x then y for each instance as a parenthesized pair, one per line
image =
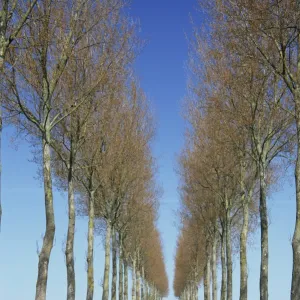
(121, 274)
(243, 238)
(224, 270)
(90, 252)
(133, 296)
(196, 292)
(138, 284)
(243, 253)
(188, 293)
(125, 280)
(145, 289)
(44, 256)
(143, 284)
(228, 255)
(207, 279)
(264, 235)
(105, 293)
(70, 237)
(295, 289)
(214, 268)
(114, 267)
(3, 49)
(151, 292)
(148, 291)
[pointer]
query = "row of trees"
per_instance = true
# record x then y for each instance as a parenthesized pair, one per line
(67, 84)
(244, 129)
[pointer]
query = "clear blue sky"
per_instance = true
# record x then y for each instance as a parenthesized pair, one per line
(160, 67)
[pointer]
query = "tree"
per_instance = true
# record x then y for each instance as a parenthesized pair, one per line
(269, 33)
(33, 84)
(248, 104)
(13, 18)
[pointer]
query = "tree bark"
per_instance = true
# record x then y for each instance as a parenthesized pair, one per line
(295, 289)
(125, 280)
(244, 237)
(105, 293)
(121, 274)
(114, 266)
(214, 268)
(69, 252)
(44, 256)
(224, 270)
(264, 235)
(207, 279)
(90, 252)
(145, 288)
(188, 293)
(138, 284)
(133, 296)
(143, 284)
(196, 292)
(243, 253)
(228, 256)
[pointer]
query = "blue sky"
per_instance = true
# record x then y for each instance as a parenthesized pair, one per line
(161, 69)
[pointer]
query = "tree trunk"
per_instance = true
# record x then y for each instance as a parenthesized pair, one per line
(188, 293)
(207, 279)
(90, 252)
(295, 290)
(138, 285)
(70, 237)
(133, 296)
(264, 235)
(196, 292)
(105, 293)
(228, 256)
(244, 237)
(3, 49)
(224, 270)
(125, 280)
(44, 256)
(214, 268)
(114, 266)
(121, 274)
(243, 253)
(147, 293)
(143, 284)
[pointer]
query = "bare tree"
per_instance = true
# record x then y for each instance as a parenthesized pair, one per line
(13, 18)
